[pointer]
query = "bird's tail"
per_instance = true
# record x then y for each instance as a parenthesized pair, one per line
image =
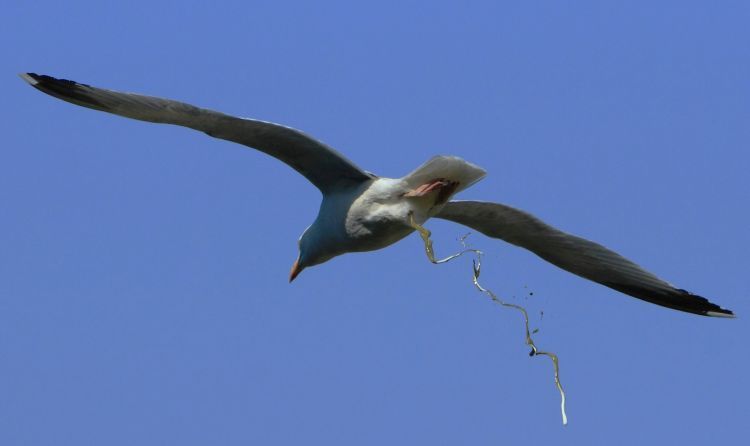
(449, 168)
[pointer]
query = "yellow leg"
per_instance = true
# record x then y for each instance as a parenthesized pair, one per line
(425, 234)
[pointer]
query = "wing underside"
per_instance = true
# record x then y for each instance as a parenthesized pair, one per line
(577, 255)
(323, 166)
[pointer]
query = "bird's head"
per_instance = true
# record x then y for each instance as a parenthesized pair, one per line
(314, 249)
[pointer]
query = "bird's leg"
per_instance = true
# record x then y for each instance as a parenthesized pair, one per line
(477, 265)
(425, 234)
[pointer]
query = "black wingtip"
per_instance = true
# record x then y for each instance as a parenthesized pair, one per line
(706, 307)
(67, 90)
(43, 80)
(677, 299)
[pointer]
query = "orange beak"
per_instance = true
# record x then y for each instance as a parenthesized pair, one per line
(296, 269)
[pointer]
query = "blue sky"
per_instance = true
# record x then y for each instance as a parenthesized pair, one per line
(143, 270)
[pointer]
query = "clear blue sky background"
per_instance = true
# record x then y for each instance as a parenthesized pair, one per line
(143, 268)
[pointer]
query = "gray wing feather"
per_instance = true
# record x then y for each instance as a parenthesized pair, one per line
(320, 164)
(575, 254)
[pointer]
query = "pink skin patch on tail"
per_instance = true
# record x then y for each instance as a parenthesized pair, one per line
(443, 187)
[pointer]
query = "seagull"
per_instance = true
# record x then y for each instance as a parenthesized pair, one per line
(364, 212)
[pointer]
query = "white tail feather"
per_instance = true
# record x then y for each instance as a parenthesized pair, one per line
(448, 168)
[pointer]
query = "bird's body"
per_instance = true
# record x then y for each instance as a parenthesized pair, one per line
(376, 213)
(363, 212)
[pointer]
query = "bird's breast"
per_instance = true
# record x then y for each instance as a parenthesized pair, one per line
(380, 215)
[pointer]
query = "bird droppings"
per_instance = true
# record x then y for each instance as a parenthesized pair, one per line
(477, 265)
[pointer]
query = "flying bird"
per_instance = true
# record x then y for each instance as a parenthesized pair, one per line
(364, 212)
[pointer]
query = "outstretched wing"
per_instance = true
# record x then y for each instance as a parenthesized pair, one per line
(322, 165)
(575, 254)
